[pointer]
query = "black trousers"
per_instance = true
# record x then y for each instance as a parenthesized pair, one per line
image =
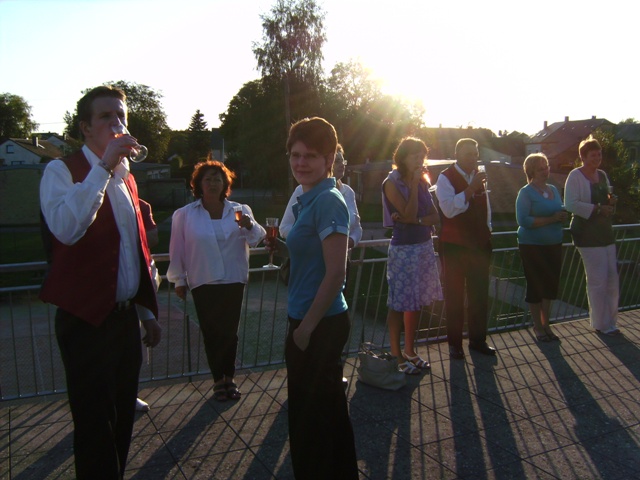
(464, 266)
(320, 432)
(102, 366)
(218, 308)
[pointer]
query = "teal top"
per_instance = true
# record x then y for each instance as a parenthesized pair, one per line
(319, 212)
(530, 204)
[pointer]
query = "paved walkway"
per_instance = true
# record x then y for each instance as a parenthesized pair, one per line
(563, 410)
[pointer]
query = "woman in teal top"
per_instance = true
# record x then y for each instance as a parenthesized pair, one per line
(540, 214)
(320, 433)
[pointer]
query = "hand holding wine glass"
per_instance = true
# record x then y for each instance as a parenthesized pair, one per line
(483, 169)
(272, 232)
(237, 211)
(138, 152)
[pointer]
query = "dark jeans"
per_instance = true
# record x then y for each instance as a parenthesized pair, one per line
(464, 266)
(320, 433)
(218, 308)
(102, 366)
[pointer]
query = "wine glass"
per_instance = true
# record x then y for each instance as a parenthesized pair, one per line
(611, 197)
(237, 211)
(272, 232)
(483, 169)
(139, 152)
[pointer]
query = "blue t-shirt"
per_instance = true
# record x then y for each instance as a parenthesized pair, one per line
(319, 212)
(530, 204)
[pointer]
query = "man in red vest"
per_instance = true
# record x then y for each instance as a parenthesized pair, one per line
(465, 248)
(100, 280)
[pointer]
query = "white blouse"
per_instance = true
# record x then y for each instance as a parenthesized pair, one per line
(355, 228)
(207, 251)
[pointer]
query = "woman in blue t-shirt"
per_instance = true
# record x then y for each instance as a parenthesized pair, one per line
(320, 433)
(540, 214)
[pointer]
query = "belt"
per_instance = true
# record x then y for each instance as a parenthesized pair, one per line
(123, 306)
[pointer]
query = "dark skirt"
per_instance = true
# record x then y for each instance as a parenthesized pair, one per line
(541, 264)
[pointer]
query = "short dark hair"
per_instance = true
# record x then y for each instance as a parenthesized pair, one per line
(84, 106)
(201, 169)
(463, 142)
(316, 133)
(589, 144)
(408, 146)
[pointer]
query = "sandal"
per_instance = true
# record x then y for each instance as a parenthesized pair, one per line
(409, 368)
(232, 391)
(543, 338)
(220, 392)
(417, 361)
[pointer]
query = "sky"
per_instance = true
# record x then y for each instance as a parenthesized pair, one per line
(497, 64)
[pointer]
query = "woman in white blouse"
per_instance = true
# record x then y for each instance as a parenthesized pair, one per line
(355, 229)
(209, 253)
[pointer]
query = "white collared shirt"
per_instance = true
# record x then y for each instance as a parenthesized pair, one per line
(355, 228)
(208, 251)
(71, 208)
(452, 204)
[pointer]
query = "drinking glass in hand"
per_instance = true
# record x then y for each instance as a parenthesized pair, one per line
(272, 232)
(483, 169)
(139, 152)
(237, 211)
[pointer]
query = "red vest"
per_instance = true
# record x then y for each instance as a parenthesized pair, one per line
(468, 229)
(82, 277)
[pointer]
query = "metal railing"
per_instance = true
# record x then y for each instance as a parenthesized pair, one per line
(30, 363)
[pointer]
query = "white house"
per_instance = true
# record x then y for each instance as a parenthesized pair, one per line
(20, 151)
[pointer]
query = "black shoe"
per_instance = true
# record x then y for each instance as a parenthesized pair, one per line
(456, 352)
(482, 348)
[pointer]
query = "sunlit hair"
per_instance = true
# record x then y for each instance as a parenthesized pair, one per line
(316, 134)
(84, 106)
(201, 169)
(463, 142)
(532, 162)
(589, 144)
(408, 146)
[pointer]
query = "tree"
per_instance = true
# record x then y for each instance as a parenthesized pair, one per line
(624, 176)
(369, 123)
(351, 89)
(253, 129)
(199, 139)
(294, 30)
(15, 117)
(146, 118)
(629, 121)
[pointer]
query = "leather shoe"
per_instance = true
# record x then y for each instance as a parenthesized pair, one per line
(483, 348)
(456, 352)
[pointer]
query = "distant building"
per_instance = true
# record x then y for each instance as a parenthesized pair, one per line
(559, 141)
(20, 151)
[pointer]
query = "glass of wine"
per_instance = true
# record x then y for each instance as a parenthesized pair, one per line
(237, 211)
(139, 152)
(483, 169)
(612, 197)
(272, 232)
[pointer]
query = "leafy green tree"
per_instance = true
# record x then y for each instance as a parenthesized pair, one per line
(293, 30)
(198, 138)
(15, 117)
(253, 129)
(629, 121)
(624, 176)
(369, 123)
(147, 120)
